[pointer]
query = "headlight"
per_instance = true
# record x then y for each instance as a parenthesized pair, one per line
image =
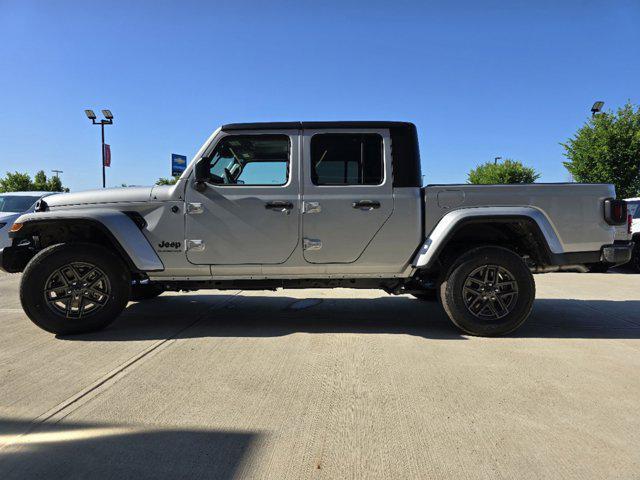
(2, 224)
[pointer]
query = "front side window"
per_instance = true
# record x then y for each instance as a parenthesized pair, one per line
(347, 159)
(634, 207)
(251, 160)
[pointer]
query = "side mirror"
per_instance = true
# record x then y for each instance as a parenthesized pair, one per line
(202, 170)
(202, 174)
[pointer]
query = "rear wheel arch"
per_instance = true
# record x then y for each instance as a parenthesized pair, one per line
(520, 234)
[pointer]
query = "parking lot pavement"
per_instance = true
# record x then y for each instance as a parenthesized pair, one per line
(327, 384)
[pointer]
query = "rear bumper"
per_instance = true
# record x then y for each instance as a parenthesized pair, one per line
(617, 254)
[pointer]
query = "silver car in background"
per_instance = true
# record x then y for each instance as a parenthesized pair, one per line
(12, 205)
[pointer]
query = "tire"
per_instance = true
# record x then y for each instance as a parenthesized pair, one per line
(464, 300)
(634, 263)
(100, 283)
(427, 295)
(145, 292)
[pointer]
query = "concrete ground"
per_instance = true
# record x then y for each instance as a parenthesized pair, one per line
(327, 384)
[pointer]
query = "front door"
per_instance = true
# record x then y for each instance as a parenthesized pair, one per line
(249, 211)
(348, 193)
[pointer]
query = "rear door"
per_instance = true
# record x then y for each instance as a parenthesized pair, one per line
(249, 211)
(347, 194)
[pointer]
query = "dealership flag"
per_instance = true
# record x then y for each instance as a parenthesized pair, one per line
(107, 155)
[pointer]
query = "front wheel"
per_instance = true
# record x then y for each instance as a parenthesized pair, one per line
(488, 292)
(74, 288)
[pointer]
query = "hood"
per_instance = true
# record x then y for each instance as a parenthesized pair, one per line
(105, 195)
(5, 217)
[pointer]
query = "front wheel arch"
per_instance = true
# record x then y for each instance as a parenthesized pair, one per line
(119, 231)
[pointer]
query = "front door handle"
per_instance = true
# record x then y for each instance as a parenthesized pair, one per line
(366, 204)
(279, 206)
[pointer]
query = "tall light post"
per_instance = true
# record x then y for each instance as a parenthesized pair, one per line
(107, 120)
(597, 108)
(495, 160)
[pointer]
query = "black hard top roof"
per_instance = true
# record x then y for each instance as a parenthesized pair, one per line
(404, 143)
(310, 125)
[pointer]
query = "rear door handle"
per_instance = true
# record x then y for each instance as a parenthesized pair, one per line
(366, 204)
(279, 206)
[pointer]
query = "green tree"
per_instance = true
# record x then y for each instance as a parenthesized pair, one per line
(40, 181)
(509, 171)
(20, 182)
(606, 149)
(54, 184)
(167, 181)
(15, 182)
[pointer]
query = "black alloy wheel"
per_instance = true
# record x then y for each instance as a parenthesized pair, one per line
(77, 290)
(72, 288)
(490, 292)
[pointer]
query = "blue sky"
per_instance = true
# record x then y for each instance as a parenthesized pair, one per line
(479, 79)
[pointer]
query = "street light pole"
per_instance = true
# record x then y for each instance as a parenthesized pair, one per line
(104, 175)
(107, 120)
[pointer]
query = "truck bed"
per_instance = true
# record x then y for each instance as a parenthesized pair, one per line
(574, 210)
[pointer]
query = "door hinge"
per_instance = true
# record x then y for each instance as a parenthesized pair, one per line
(311, 244)
(311, 207)
(194, 208)
(195, 245)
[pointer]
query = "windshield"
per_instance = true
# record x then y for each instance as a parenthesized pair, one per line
(16, 203)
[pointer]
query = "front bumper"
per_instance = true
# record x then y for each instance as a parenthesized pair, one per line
(617, 254)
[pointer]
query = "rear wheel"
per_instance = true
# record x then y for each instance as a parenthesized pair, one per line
(489, 291)
(74, 288)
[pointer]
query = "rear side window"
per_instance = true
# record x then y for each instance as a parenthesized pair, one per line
(346, 159)
(636, 207)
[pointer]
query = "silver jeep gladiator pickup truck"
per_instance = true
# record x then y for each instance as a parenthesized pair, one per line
(309, 205)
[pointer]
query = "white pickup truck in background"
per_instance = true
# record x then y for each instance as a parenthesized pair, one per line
(632, 231)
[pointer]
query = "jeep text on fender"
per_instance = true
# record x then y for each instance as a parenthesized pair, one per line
(308, 205)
